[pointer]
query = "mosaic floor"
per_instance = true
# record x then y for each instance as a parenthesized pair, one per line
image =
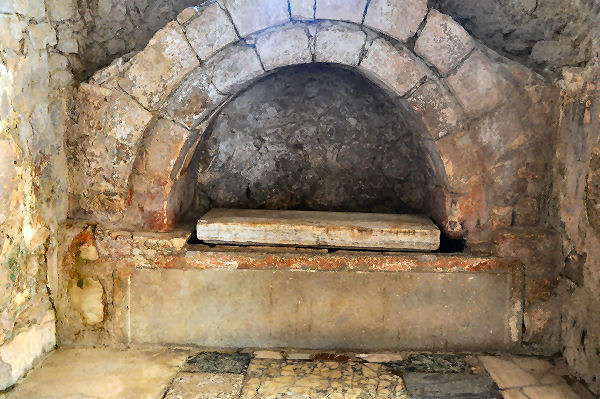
(179, 374)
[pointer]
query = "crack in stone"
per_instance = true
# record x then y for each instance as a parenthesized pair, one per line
(312, 39)
(460, 63)
(258, 56)
(364, 49)
(230, 18)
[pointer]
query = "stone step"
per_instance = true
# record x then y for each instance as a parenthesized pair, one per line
(319, 229)
(234, 297)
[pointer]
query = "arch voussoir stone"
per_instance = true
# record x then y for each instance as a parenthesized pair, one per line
(194, 99)
(478, 85)
(210, 31)
(251, 16)
(399, 19)
(163, 145)
(396, 68)
(302, 10)
(233, 67)
(156, 71)
(287, 46)
(339, 43)
(341, 10)
(443, 42)
(439, 110)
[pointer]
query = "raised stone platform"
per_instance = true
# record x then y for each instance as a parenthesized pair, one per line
(373, 231)
(281, 297)
(159, 290)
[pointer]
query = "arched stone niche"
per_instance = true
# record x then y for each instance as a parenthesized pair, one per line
(314, 137)
(484, 119)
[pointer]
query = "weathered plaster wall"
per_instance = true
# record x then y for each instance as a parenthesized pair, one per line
(33, 201)
(313, 137)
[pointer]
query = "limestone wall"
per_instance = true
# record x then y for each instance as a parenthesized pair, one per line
(577, 189)
(544, 34)
(107, 29)
(34, 74)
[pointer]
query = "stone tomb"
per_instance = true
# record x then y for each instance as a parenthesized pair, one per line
(477, 121)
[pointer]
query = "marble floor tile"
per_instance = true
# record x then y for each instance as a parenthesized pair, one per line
(205, 386)
(270, 379)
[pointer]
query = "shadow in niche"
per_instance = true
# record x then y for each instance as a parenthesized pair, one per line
(450, 245)
(316, 137)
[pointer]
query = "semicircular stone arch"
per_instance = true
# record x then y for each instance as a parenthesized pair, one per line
(140, 121)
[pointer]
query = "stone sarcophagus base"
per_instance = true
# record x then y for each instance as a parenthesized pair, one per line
(155, 288)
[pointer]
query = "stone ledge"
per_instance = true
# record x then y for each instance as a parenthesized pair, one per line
(278, 258)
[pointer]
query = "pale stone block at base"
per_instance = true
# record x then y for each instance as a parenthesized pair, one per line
(514, 393)
(380, 357)
(562, 391)
(268, 355)
(506, 373)
(319, 229)
(101, 373)
(21, 353)
(322, 310)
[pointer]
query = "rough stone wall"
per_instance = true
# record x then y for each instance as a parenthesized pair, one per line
(108, 29)
(544, 34)
(577, 193)
(34, 74)
(317, 138)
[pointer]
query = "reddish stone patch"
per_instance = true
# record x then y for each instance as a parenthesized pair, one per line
(331, 357)
(159, 221)
(343, 261)
(169, 262)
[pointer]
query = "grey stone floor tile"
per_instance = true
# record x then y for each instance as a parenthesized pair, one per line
(430, 363)
(218, 362)
(449, 386)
